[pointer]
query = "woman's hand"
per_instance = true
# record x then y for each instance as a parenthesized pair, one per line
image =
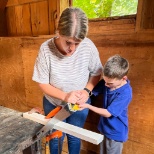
(83, 97)
(73, 97)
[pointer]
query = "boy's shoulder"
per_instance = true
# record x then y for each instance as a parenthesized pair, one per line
(125, 90)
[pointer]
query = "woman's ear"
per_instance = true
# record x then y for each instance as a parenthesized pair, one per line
(57, 32)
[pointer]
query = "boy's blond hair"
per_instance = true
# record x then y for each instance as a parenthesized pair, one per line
(116, 67)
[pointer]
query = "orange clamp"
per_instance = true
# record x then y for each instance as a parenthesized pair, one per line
(56, 134)
(53, 112)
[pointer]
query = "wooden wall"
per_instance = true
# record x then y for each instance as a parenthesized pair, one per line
(32, 17)
(17, 58)
(138, 49)
(19, 92)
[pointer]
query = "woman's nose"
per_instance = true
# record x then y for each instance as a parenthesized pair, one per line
(72, 47)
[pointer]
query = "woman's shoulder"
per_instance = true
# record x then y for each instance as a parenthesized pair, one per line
(87, 43)
(47, 42)
(47, 46)
(87, 40)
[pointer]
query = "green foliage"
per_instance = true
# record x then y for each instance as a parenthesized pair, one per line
(106, 8)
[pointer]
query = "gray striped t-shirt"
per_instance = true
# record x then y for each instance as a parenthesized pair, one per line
(67, 73)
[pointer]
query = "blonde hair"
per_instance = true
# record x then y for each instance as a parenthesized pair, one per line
(73, 22)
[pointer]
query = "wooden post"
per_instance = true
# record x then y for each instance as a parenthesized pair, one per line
(145, 13)
(3, 28)
(55, 9)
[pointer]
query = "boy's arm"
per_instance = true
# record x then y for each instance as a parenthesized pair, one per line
(100, 111)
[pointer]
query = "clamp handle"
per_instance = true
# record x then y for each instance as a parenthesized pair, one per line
(56, 134)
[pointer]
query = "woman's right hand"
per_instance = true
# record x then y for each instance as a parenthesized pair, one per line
(72, 97)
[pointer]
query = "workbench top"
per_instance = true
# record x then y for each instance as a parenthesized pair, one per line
(15, 131)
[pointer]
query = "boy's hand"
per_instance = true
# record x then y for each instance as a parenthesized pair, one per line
(83, 106)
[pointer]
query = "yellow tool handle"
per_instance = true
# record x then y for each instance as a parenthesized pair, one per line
(73, 107)
(76, 107)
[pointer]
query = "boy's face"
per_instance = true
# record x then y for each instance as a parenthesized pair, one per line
(114, 83)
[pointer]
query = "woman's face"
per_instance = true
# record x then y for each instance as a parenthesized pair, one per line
(68, 45)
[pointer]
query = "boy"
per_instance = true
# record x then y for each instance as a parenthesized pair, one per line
(117, 94)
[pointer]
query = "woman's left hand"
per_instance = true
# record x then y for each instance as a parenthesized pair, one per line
(83, 97)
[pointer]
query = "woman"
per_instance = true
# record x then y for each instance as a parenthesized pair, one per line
(67, 68)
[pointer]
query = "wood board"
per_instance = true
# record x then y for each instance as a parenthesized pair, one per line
(81, 133)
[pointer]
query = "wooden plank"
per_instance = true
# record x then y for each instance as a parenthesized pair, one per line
(30, 48)
(133, 39)
(145, 15)
(130, 20)
(3, 4)
(3, 28)
(55, 9)
(81, 133)
(19, 20)
(26, 22)
(112, 26)
(113, 18)
(39, 18)
(63, 5)
(22, 23)
(21, 2)
(139, 15)
(44, 18)
(12, 87)
(53, 16)
(11, 21)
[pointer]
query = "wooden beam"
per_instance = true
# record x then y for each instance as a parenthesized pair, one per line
(63, 5)
(3, 4)
(55, 9)
(3, 28)
(21, 2)
(53, 15)
(145, 13)
(81, 133)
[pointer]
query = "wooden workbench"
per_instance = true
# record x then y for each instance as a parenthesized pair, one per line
(15, 131)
